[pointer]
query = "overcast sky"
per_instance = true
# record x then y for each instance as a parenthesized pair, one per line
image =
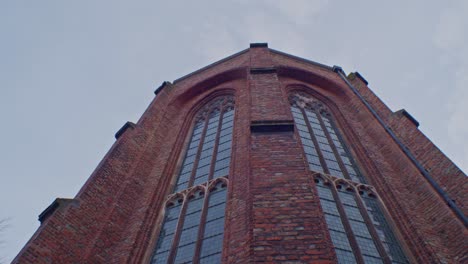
(73, 72)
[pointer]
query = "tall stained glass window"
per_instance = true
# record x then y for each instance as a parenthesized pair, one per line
(193, 225)
(355, 220)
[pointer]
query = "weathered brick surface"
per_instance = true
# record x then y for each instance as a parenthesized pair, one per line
(441, 232)
(287, 220)
(273, 213)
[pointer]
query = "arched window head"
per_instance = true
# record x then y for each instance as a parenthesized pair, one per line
(323, 144)
(209, 150)
(356, 224)
(193, 226)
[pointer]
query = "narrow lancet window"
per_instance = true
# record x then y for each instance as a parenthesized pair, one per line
(193, 225)
(323, 145)
(356, 223)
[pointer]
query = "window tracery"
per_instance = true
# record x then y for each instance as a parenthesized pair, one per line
(323, 145)
(193, 225)
(357, 226)
(355, 221)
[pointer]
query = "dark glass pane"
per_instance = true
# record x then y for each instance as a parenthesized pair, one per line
(372, 260)
(221, 172)
(217, 195)
(212, 259)
(214, 227)
(185, 254)
(187, 168)
(302, 127)
(223, 154)
(200, 179)
(205, 161)
(325, 193)
(360, 229)
(212, 245)
(315, 167)
(336, 173)
(160, 258)
(383, 229)
(329, 207)
(308, 142)
(333, 165)
(345, 256)
(225, 139)
(203, 170)
(347, 198)
(353, 213)
(321, 139)
(296, 110)
(216, 211)
(325, 147)
(334, 223)
(167, 232)
(367, 247)
(224, 146)
(329, 155)
(319, 133)
(190, 235)
(226, 131)
(222, 163)
(228, 118)
(340, 240)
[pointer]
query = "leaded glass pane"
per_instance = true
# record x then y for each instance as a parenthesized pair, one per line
(185, 254)
(391, 244)
(340, 240)
(206, 137)
(166, 234)
(345, 256)
(212, 259)
(324, 147)
(212, 243)
(335, 225)
(367, 247)
(189, 234)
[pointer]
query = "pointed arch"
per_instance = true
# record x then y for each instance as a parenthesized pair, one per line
(322, 141)
(355, 221)
(202, 181)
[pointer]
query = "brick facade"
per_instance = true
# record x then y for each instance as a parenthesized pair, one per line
(273, 213)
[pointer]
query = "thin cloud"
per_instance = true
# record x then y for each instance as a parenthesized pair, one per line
(451, 37)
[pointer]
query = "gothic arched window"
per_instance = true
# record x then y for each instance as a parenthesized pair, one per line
(193, 226)
(357, 225)
(323, 144)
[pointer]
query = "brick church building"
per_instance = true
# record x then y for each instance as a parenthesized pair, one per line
(263, 157)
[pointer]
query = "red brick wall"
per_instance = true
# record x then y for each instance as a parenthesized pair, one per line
(273, 213)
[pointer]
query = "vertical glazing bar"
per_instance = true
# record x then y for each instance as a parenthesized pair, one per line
(200, 147)
(349, 231)
(215, 148)
(316, 144)
(373, 231)
(332, 145)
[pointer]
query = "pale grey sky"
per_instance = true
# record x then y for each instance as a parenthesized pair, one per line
(73, 72)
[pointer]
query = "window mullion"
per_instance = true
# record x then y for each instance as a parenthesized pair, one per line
(333, 147)
(347, 226)
(373, 231)
(180, 223)
(215, 148)
(201, 229)
(314, 139)
(200, 148)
